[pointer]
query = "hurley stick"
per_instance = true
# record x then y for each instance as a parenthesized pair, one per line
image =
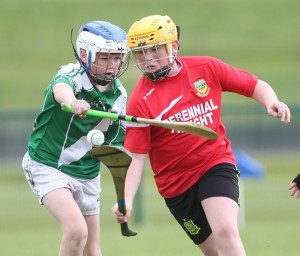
(189, 127)
(117, 162)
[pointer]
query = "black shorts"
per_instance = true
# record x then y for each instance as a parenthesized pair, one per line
(221, 180)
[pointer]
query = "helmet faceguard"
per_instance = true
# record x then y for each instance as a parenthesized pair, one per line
(153, 32)
(102, 37)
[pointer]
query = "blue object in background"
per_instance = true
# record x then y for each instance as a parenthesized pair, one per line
(248, 166)
(249, 169)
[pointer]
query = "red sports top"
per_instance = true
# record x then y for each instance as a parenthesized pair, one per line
(179, 159)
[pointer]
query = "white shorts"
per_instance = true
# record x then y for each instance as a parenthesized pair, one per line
(44, 179)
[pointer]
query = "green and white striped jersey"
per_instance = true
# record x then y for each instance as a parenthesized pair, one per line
(59, 138)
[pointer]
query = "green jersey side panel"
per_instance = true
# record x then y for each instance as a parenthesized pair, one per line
(59, 138)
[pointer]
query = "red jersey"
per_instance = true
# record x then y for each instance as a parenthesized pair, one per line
(179, 159)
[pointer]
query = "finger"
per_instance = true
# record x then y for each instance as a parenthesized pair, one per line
(284, 113)
(117, 214)
(80, 107)
(294, 191)
(292, 185)
(120, 219)
(125, 218)
(288, 116)
(127, 215)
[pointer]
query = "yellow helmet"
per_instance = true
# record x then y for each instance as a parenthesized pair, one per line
(152, 30)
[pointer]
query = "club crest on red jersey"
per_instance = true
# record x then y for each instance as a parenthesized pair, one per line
(201, 87)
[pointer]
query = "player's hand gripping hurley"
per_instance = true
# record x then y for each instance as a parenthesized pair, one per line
(117, 161)
(189, 127)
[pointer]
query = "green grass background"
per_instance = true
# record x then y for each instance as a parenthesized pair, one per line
(260, 36)
(271, 225)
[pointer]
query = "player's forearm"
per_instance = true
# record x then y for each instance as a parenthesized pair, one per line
(63, 93)
(134, 177)
(264, 94)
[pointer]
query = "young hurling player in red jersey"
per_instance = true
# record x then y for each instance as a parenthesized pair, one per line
(197, 177)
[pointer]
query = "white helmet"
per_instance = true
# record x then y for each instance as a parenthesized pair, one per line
(104, 37)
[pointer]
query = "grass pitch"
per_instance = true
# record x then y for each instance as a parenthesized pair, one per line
(271, 226)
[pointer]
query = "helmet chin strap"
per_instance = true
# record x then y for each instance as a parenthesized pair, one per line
(99, 79)
(158, 74)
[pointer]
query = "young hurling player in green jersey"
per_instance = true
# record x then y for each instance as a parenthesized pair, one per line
(58, 165)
